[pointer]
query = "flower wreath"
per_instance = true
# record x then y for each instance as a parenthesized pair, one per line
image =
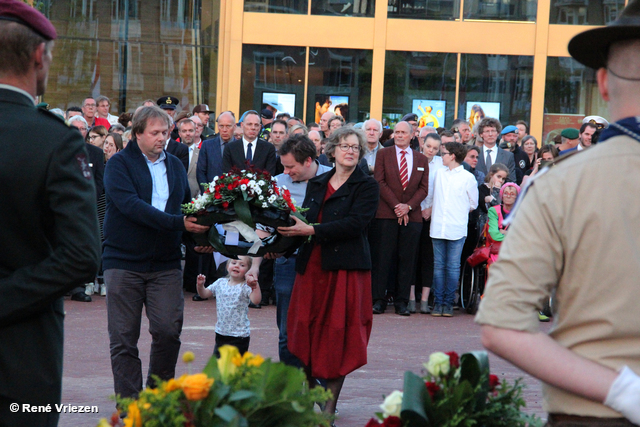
(239, 200)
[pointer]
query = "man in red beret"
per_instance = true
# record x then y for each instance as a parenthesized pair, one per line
(49, 240)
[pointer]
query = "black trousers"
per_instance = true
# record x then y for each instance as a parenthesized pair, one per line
(424, 264)
(195, 263)
(242, 343)
(392, 241)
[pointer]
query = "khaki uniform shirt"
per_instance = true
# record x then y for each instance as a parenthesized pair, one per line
(577, 231)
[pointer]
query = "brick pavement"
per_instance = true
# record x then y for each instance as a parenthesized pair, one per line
(397, 344)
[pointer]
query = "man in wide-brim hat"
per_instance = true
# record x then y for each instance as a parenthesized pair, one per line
(575, 234)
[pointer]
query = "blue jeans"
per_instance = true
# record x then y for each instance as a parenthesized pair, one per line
(284, 275)
(446, 269)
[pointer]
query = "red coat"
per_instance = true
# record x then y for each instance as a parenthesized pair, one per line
(387, 173)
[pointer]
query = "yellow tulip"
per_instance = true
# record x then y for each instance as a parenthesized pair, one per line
(226, 363)
(133, 418)
(256, 360)
(188, 357)
(196, 387)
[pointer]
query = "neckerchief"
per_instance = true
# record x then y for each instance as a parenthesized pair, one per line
(629, 126)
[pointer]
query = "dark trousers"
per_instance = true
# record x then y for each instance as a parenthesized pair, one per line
(392, 240)
(284, 276)
(265, 279)
(242, 343)
(9, 418)
(424, 271)
(161, 294)
(195, 263)
(561, 420)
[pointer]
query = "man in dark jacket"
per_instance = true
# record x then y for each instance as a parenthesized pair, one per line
(49, 239)
(143, 226)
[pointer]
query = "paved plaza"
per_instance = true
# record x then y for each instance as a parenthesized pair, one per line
(397, 344)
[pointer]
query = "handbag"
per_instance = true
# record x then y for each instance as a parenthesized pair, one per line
(479, 256)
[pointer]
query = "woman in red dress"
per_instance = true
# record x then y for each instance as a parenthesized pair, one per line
(329, 319)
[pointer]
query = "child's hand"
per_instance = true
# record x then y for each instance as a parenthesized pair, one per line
(201, 279)
(252, 282)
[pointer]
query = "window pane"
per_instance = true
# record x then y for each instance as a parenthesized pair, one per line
(277, 6)
(130, 51)
(422, 83)
(571, 93)
(343, 7)
(444, 10)
(339, 76)
(500, 85)
(585, 12)
(274, 75)
(502, 10)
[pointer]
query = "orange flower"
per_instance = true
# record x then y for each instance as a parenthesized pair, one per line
(196, 387)
(133, 418)
(174, 384)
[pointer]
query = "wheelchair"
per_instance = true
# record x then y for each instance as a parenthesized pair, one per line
(474, 278)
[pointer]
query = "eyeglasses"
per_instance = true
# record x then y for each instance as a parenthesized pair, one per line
(92, 137)
(89, 105)
(442, 153)
(489, 132)
(346, 147)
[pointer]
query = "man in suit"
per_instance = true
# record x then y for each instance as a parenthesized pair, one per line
(210, 158)
(179, 150)
(403, 176)
(488, 129)
(259, 153)
(49, 238)
(277, 136)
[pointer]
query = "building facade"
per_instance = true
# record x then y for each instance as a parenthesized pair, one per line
(439, 58)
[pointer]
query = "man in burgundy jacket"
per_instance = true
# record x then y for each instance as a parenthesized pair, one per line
(403, 176)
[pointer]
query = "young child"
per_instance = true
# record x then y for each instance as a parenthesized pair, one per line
(232, 294)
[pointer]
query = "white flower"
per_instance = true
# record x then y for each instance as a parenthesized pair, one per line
(258, 190)
(215, 178)
(261, 183)
(284, 187)
(261, 198)
(243, 187)
(252, 183)
(438, 364)
(264, 205)
(392, 404)
(272, 199)
(274, 179)
(249, 175)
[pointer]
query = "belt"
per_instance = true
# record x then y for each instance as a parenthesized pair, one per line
(564, 420)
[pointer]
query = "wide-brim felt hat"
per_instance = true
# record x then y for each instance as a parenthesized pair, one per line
(592, 47)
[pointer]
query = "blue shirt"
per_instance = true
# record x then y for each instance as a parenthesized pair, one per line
(158, 171)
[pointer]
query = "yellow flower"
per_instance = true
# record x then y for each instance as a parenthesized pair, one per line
(188, 357)
(174, 384)
(103, 423)
(256, 360)
(146, 405)
(153, 391)
(248, 359)
(133, 418)
(196, 387)
(226, 363)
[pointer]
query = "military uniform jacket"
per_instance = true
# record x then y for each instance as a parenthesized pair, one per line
(49, 243)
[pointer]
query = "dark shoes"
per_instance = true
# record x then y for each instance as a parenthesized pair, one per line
(81, 296)
(412, 306)
(197, 297)
(437, 310)
(402, 309)
(252, 305)
(424, 307)
(379, 307)
(447, 311)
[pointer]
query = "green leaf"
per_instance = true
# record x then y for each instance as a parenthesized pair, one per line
(211, 369)
(244, 213)
(216, 242)
(227, 413)
(413, 399)
(241, 395)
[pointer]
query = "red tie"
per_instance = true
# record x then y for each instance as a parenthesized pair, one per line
(404, 170)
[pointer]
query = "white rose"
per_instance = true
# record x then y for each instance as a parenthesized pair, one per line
(438, 364)
(392, 404)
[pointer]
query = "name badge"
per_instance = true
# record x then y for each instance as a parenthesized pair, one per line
(421, 169)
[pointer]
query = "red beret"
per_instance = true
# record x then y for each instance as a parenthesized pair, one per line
(17, 11)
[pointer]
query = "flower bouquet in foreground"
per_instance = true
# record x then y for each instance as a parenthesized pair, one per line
(239, 200)
(233, 390)
(456, 391)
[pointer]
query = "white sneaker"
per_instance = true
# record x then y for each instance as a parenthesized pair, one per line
(88, 288)
(103, 290)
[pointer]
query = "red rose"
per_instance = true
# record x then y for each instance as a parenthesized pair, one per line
(392, 421)
(217, 196)
(372, 423)
(432, 388)
(230, 187)
(454, 359)
(493, 382)
(225, 205)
